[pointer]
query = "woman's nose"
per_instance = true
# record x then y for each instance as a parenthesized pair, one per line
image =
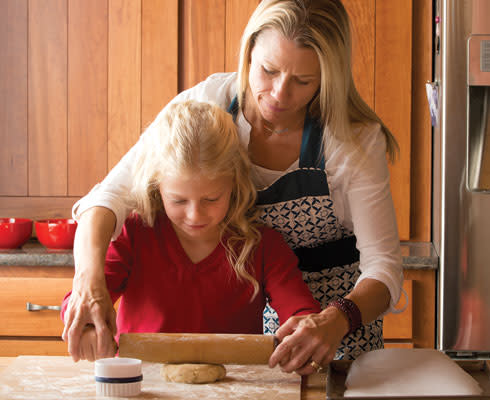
(279, 89)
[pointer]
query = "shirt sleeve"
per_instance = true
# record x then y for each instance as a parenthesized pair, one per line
(363, 194)
(288, 294)
(117, 269)
(114, 192)
(118, 262)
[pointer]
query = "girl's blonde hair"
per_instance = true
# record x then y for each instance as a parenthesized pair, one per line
(322, 25)
(195, 137)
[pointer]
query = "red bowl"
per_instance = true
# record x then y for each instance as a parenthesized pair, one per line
(14, 232)
(56, 233)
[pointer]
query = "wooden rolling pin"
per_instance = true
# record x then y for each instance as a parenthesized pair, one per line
(197, 348)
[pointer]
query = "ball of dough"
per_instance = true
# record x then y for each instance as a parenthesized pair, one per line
(193, 373)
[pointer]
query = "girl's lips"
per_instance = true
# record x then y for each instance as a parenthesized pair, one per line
(196, 226)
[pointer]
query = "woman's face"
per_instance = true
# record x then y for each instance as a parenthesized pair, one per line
(283, 77)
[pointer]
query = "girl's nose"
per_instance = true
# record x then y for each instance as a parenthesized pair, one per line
(194, 212)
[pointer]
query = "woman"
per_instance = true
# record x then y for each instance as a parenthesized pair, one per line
(319, 164)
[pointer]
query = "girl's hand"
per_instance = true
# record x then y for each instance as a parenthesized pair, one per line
(308, 343)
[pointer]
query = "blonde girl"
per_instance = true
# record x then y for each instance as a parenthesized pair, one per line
(192, 257)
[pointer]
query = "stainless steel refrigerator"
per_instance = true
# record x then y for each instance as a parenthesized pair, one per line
(460, 101)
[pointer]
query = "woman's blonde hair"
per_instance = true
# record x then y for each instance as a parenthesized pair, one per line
(195, 137)
(322, 25)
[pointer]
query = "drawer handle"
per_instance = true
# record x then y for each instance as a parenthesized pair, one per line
(37, 307)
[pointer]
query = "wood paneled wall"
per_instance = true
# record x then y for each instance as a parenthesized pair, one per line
(80, 80)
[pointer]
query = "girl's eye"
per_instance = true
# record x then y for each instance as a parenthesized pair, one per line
(212, 200)
(178, 201)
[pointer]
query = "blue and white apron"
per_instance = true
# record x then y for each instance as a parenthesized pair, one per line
(300, 207)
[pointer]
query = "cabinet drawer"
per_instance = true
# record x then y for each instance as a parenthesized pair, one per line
(28, 347)
(16, 292)
(400, 326)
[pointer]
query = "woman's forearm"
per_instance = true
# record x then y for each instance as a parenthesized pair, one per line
(92, 239)
(372, 297)
(90, 303)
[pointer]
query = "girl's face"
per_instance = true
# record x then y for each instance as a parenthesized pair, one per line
(197, 205)
(283, 77)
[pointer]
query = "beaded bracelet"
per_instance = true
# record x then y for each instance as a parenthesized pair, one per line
(350, 309)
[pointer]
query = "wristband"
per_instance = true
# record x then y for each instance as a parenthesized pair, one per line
(350, 309)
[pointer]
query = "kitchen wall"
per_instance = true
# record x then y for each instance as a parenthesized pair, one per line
(80, 79)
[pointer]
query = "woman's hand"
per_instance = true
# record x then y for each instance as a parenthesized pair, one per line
(316, 337)
(90, 308)
(88, 345)
(90, 302)
(304, 339)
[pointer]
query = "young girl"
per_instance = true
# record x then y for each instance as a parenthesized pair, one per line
(192, 257)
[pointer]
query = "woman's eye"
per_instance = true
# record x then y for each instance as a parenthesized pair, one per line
(267, 71)
(300, 82)
(211, 200)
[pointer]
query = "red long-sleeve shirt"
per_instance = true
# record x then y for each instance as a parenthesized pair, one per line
(162, 290)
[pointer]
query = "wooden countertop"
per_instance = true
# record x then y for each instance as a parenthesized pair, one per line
(313, 387)
(4, 362)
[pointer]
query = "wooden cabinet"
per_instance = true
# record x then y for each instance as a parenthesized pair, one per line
(83, 78)
(415, 326)
(24, 332)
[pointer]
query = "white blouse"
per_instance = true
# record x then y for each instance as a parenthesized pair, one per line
(360, 190)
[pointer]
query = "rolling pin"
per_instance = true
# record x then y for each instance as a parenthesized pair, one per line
(197, 348)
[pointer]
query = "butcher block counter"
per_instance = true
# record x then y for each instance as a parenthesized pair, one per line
(40, 377)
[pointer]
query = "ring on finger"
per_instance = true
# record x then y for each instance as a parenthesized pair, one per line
(317, 367)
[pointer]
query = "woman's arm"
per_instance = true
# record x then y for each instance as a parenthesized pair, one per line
(362, 196)
(90, 302)
(318, 336)
(101, 215)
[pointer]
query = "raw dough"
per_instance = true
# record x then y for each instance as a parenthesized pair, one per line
(408, 372)
(193, 373)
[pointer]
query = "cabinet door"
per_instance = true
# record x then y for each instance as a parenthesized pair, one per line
(414, 327)
(17, 320)
(33, 347)
(400, 326)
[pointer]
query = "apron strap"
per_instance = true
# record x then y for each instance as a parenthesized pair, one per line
(328, 255)
(233, 108)
(311, 155)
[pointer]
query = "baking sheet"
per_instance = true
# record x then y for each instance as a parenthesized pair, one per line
(49, 377)
(338, 370)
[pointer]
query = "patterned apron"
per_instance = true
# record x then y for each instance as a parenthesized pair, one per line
(300, 207)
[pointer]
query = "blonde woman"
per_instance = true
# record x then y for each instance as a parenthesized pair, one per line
(319, 163)
(192, 257)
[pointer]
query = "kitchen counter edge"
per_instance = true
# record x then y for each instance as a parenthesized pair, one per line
(416, 255)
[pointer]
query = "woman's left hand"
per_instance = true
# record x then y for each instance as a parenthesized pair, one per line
(309, 342)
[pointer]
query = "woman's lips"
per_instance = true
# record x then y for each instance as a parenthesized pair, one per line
(274, 108)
